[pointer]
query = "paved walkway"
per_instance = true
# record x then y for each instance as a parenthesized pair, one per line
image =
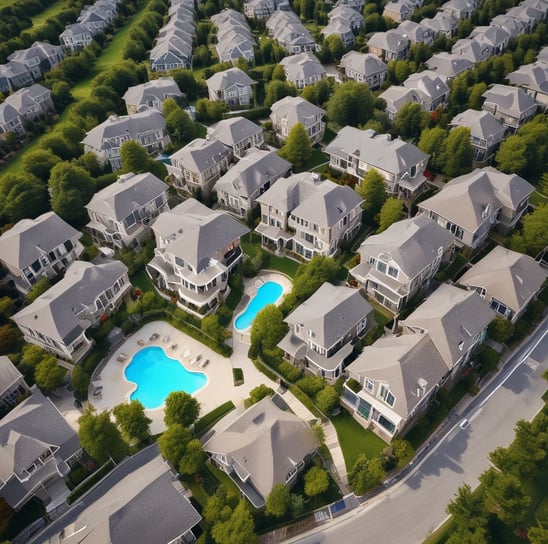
(332, 442)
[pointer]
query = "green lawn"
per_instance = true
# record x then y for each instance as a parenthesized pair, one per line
(250, 245)
(48, 13)
(316, 159)
(354, 439)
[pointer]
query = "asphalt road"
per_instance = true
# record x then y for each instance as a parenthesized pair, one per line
(411, 509)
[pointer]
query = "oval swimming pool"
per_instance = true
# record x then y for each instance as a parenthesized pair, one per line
(157, 375)
(268, 293)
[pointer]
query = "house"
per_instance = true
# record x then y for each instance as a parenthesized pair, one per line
(38, 58)
(290, 33)
(156, 509)
(57, 321)
(39, 248)
(37, 449)
(12, 386)
(232, 86)
(533, 79)
(514, 27)
(470, 206)
(398, 11)
(432, 89)
(147, 128)
(196, 249)
(486, 132)
(508, 281)
(199, 164)
(529, 16)
(262, 447)
(238, 134)
(76, 36)
(151, 94)
(259, 9)
(234, 37)
(324, 328)
(364, 68)
(398, 262)
(346, 15)
(289, 111)
(415, 32)
(120, 214)
(398, 377)
(339, 28)
(473, 50)
(512, 106)
(397, 96)
(497, 37)
(308, 216)
(303, 69)
(24, 105)
(448, 65)
(388, 45)
(254, 174)
(401, 164)
(14, 75)
(443, 23)
(460, 9)
(357, 5)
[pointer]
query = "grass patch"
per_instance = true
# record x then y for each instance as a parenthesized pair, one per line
(208, 420)
(455, 267)
(314, 161)
(251, 243)
(538, 198)
(354, 439)
(238, 376)
(49, 13)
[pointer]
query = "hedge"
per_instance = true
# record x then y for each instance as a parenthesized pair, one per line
(206, 422)
(90, 482)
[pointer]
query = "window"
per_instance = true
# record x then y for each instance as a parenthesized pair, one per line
(381, 267)
(386, 395)
(498, 307)
(480, 291)
(392, 271)
(371, 260)
(369, 384)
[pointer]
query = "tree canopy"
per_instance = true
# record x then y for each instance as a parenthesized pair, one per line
(410, 120)
(297, 148)
(458, 155)
(373, 190)
(391, 211)
(350, 104)
(173, 443)
(268, 328)
(132, 420)
(49, 375)
(278, 500)
(316, 481)
(181, 408)
(238, 529)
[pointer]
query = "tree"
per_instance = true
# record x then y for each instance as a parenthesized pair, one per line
(209, 111)
(534, 231)
(391, 211)
(401, 71)
(132, 420)
(351, 104)
(21, 196)
(475, 101)
(373, 190)
(403, 451)
(334, 47)
(327, 399)
(297, 148)
(276, 90)
(9, 339)
(217, 508)
(181, 408)
(268, 328)
(180, 126)
(100, 437)
(71, 188)
(538, 534)
(278, 73)
(432, 142)
(365, 474)
(39, 163)
(500, 330)
(459, 153)
(311, 275)
(238, 529)
(467, 509)
(316, 481)
(278, 501)
(38, 289)
(61, 95)
(319, 433)
(134, 157)
(193, 458)
(260, 392)
(31, 357)
(173, 443)
(210, 326)
(409, 121)
(49, 375)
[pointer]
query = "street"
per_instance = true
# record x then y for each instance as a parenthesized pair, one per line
(409, 511)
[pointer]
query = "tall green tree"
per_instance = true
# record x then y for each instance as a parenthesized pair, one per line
(533, 237)
(410, 120)
(365, 474)
(71, 188)
(173, 443)
(373, 190)
(134, 157)
(391, 211)
(100, 437)
(350, 104)
(238, 529)
(268, 328)
(278, 500)
(193, 458)
(49, 375)
(297, 148)
(21, 196)
(276, 90)
(132, 420)
(459, 153)
(39, 163)
(316, 481)
(432, 142)
(217, 508)
(181, 408)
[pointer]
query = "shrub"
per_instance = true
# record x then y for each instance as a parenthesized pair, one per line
(289, 372)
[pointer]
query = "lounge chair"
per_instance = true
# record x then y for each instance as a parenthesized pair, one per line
(186, 353)
(166, 339)
(173, 346)
(140, 342)
(154, 337)
(196, 359)
(204, 363)
(121, 358)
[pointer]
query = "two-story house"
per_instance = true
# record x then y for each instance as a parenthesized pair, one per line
(388, 45)
(470, 206)
(339, 28)
(497, 37)
(13, 387)
(460, 9)
(238, 134)
(39, 248)
(234, 37)
(433, 90)
(232, 86)
(507, 280)
(308, 216)
(448, 65)
(26, 104)
(120, 214)
(199, 164)
(57, 321)
(37, 448)
(290, 33)
(512, 106)
(533, 79)
(473, 50)
(75, 37)
(303, 69)
(147, 128)
(324, 328)
(150, 95)
(196, 248)
(38, 58)
(259, 9)
(443, 23)
(14, 75)
(415, 32)
(401, 164)
(404, 258)
(262, 447)
(289, 111)
(347, 15)
(399, 10)
(238, 189)
(486, 132)
(364, 68)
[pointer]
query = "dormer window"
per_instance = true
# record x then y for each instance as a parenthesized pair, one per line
(386, 395)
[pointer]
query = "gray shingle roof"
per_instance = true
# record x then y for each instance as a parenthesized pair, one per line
(363, 63)
(29, 239)
(531, 76)
(302, 66)
(388, 41)
(225, 79)
(8, 373)
(482, 124)
(233, 130)
(428, 83)
(448, 64)
(511, 100)
(295, 109)
(200, 154)
(155, 90)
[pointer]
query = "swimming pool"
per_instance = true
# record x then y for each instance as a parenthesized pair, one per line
(268, 293)
(157, 375)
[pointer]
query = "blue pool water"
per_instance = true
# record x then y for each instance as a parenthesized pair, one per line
(268, 293)
(157, 375)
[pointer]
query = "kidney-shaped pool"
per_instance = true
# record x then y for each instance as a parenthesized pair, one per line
(268, 293)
